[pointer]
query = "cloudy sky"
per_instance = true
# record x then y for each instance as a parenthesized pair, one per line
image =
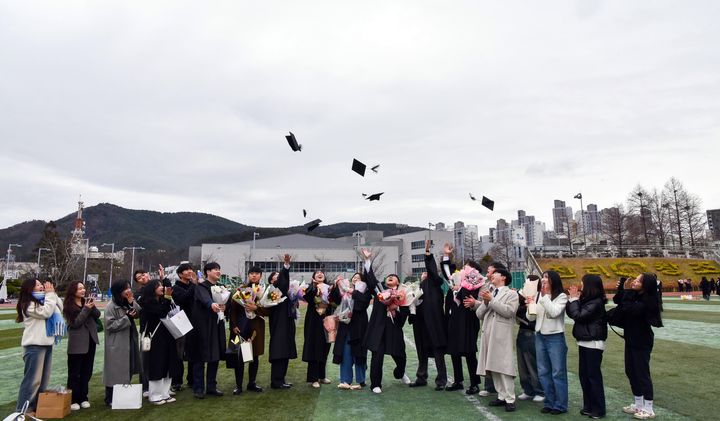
(183, 106)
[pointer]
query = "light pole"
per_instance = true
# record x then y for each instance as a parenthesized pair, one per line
(87, 248)
(132, 261)
(642, 217)
(692, 239)
(40, 250)
(677, 213)
(7, 260)
(357, 234)
(582, 220)
(255, 235)
(112, 256)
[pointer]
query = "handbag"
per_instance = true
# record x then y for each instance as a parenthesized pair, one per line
(615, 318)
(99, 324)
(146, 341)
(127, 396)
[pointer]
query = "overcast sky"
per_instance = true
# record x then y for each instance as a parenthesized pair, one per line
(183, 106)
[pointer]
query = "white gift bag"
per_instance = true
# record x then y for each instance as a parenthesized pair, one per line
(127, 396)
(178, 325)
(246, 351)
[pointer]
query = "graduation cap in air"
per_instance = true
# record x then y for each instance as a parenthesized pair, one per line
(375, 168)
(358, 167)
(313, 224)
(304, 213)
(472, 197)
(296, 147)
(372, 197)
(490, 204)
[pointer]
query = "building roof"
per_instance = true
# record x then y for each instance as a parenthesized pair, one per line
(296, 241)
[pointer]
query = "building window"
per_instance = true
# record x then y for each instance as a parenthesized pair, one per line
(420, 244)
(417, 271)
(418, 258)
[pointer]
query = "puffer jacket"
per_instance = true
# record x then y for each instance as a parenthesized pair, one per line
(590, 319)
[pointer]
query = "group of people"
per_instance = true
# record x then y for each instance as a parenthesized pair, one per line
(708, 287)
(459, 310)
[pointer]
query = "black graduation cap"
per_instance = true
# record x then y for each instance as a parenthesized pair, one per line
(375, 168)
(304, 213)
(358, 167)
(490, 204)
(472, 197)
(293, 142)
(313, 224)
(372, 197)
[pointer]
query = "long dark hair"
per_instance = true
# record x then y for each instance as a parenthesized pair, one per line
(271, 276)
(26, 297)
(116, 289)
(316, 272)
(70, 308)
(148, 291)
(650, 299)
(556, 287)
(592, 288)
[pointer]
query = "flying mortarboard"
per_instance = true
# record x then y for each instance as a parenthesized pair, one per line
(472, 197)
(304, 213)
(490, 204)
(313, 224)
(375, 168)
(293, 142)
(358, 167)
(375, 196)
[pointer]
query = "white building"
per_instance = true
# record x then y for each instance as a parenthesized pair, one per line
(412, 249)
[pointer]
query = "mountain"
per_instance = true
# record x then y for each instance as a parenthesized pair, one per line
(171, 232)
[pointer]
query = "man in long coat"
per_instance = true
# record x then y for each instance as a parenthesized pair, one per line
(497, 346)
(208, 345)
(282, 332)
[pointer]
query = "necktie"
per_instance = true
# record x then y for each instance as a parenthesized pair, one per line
(495, 293)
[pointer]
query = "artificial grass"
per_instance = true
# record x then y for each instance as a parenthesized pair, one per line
(693, 316)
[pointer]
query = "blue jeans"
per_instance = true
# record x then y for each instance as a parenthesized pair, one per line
(38, 361)
(551, 353)
(346, 366)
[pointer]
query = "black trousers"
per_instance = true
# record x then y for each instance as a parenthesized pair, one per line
(204, 380)
(591, 380)
(316, 369)
(80, 369)
(376, 368)
(240, 370)
(637, 370)
(278, 371)
(471, 362)
(177, 367)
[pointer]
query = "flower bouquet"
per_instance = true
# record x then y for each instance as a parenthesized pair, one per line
(322, 298)
(470, 279)
(413, 292)
(220, 295)
(271, 297)
(248, 294)
(296, 290)
(392, 299)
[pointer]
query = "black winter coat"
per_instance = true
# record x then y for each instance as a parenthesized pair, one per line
(590, 319)
(282, 323)
(163, 344)
(430, 314)
(355, 330)
(635, 313)
(208, 342)
(463, 324)
(384, 334)
(315, 347)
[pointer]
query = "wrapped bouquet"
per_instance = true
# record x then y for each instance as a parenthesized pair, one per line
(346, 288)
(413, 294)
(248, 294)
(296, 290)
(271, 297)
(322, 298)
(220, 295)
(470, 280)
(392, 298)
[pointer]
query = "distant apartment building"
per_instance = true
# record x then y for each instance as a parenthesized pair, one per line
(713, 219)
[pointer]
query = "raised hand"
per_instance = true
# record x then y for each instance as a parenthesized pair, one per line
(161, 272)
(428, 243)
(447, 249)
(286, 259)
(367, 254)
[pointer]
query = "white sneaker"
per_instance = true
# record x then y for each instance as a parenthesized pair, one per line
(377, 390)
(631, 409)
(406, 379)
(483, 393)
(160, 402)
(524, 397)
(171, 400)
(74, 407)
(85, 405)
(146, 394)
(171, 393)
(539, 398)
(344, 386)
(644, 415)
(316, 385)
(325, 381)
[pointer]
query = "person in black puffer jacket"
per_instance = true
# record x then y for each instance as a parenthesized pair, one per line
(640, 311)
(587, 309)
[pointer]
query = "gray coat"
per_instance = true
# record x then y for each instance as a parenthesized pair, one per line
(497, 341)
(82, 330)
(122, 354)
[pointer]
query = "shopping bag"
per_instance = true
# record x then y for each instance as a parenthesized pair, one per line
(178, 325)
(127, 396)
(246, 351)
(21, 416)
(54, 404)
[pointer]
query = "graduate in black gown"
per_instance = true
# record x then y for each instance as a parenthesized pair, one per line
(430, 324)
(316, 348)
(282, 331)
(384, 334)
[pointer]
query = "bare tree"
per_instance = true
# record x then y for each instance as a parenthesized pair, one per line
(62, 261)
(672, 194)
(637, 205)
(615, 225)
(659, 217)
(502, 251)
(693, 215)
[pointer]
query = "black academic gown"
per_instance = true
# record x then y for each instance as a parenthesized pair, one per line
(355, 330)
(163, 344)
(463, 324)
(430, 314)
(384, 334)
(208, 343)
(315, 346)
(282, 323)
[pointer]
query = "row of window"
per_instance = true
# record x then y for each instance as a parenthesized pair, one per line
(418, 258)
(420, 244)
(305, 266)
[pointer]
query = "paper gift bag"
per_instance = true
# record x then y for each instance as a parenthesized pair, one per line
(178, 325)
(127, 396)
(246, 351)
(54, 404)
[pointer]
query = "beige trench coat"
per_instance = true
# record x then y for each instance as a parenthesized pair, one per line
(497, 342)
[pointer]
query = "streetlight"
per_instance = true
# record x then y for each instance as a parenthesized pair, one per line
(132, 261)
(112, 256)
(358, 235)
(582, 220)
(40, 250)
(677, 213)
(642, 216)
(255, 235)
(692, 239)
(87, 248)
(7, 260)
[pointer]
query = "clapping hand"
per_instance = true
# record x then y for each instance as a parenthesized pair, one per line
(574, 292)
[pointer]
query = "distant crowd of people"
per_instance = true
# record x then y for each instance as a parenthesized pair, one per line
(462, 314)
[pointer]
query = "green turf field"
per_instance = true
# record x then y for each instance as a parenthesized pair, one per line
(684, 368)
